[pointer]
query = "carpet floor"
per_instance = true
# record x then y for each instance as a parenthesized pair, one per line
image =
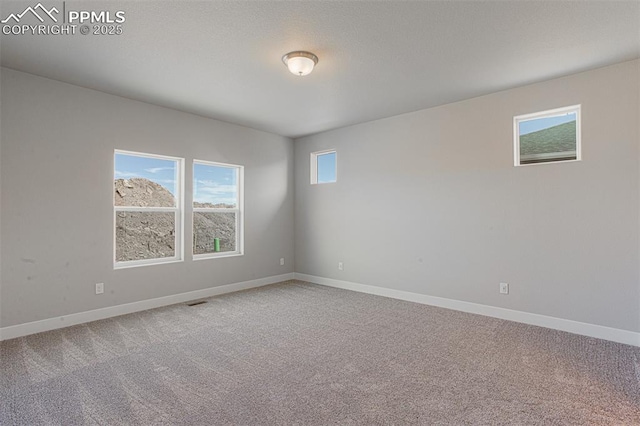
(299, 353)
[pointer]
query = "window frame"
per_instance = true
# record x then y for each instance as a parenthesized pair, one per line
(239, 211)
(556, 112)
(178, 211)
(314, 165)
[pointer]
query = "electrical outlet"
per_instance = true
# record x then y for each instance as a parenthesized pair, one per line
(340, 266)
(504, 288)
(281, 261)
(99, 288)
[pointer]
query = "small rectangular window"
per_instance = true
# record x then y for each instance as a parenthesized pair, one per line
(324, 167)
(148, 204)
(547, 136)
(217, 209)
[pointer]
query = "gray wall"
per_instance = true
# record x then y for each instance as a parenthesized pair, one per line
(57, 191)
(427, 202)
(430, 202)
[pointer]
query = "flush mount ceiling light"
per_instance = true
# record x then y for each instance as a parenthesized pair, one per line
(299, 62)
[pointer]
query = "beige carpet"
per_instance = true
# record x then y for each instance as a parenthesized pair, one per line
(298, 353)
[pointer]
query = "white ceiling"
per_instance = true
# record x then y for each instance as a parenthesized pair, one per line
(377, 59)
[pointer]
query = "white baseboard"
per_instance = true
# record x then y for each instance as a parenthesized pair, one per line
(576, 327)
(585, 329)
(128, 308)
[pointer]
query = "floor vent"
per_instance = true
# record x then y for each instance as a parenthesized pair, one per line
(197, 303)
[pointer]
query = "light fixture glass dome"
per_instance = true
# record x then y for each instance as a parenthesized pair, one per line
(300, 63)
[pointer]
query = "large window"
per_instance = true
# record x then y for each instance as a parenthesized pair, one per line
(217, 209)
(547, 136)
(324, 167)
(147, 209)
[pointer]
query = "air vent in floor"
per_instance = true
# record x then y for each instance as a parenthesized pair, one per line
(197, 303)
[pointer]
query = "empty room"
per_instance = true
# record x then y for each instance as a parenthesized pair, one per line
(320, 212)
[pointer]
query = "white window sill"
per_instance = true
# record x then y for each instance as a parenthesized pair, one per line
(136, 264)
(216, 255)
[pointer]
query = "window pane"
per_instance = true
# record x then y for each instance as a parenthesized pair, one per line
(144, 181)
(327, 167)
(145, 235)
(548, 139)
(209, 227)
(215, 186)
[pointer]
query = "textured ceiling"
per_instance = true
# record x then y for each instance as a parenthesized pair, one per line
(377, 59)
